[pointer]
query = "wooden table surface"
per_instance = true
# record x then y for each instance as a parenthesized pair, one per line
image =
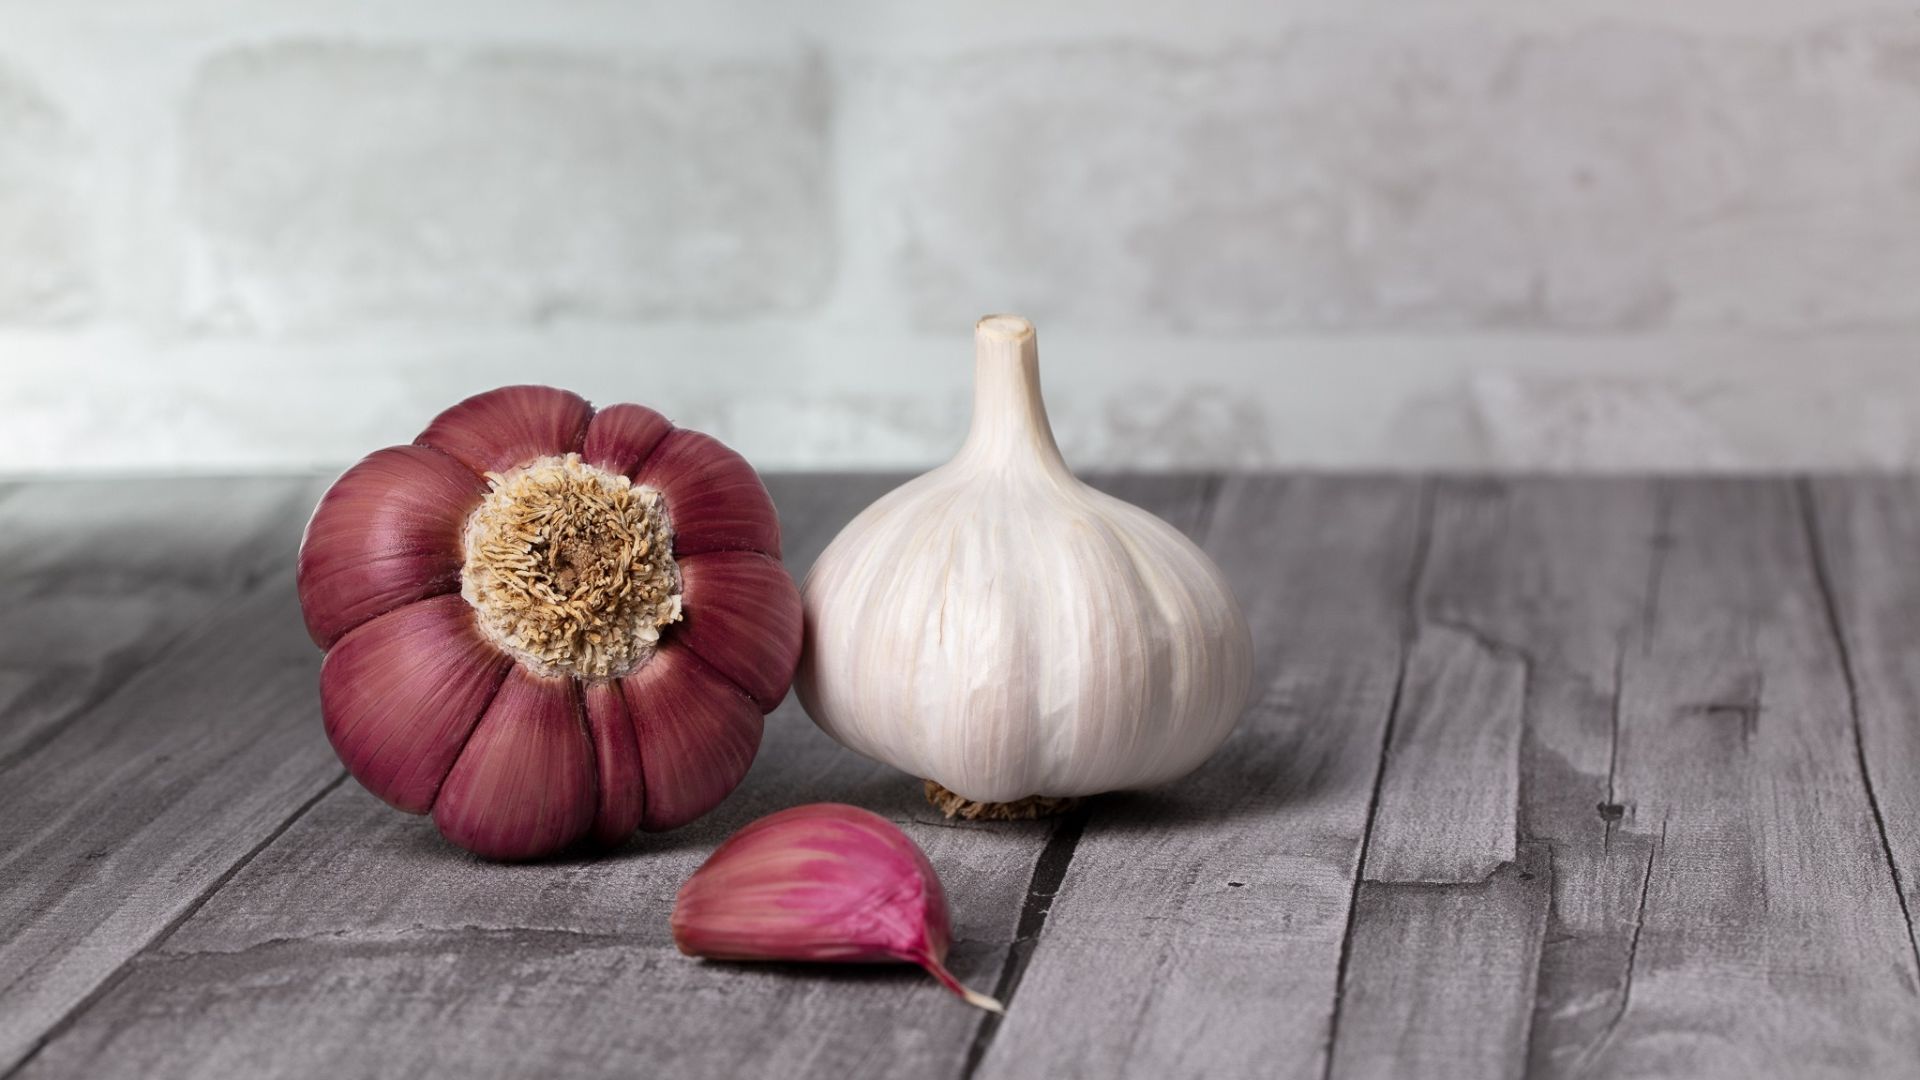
(1558, 777)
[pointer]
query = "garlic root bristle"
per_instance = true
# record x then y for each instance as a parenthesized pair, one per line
(954, 805)
(571, 568)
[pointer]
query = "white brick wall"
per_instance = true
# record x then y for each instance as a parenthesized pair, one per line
(499, 186)
(1368, 178)
(241, 234)
(44, 273)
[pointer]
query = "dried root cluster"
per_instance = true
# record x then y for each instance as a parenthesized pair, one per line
(570, 567)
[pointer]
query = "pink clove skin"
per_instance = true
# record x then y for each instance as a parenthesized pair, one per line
(824, 882)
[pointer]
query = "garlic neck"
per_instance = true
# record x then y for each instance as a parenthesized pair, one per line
(1010, 428)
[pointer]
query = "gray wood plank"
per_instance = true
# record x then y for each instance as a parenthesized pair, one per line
(1556, 573)
(1441, 979)
(101, 577)
(358, 942)
(1450, 793)
(1198, 930)
(117, 825)
(1767, 940)
(1868, 541)
(1722, 898)
(1689, 757)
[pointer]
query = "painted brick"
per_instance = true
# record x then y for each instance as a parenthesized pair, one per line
(1548, 422)
(1387, 177)
(331, 185)
(45, 244)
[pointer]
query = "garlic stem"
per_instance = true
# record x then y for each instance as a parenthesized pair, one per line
(1009, 415)
(972, 997)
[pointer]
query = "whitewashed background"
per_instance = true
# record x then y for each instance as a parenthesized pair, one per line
(1602, 234)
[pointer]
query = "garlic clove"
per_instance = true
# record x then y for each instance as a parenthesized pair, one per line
(717, 501)
(823, 882)
(524, 786)
(742, 615)
(621, 437)
(401, 693)
(616, 755)
(386, 533)
(497, 430)
(697, 735)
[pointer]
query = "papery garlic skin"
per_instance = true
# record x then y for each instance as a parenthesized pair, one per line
(825, 882)
(1001, 628)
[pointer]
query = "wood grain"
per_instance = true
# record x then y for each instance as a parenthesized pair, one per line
(1688, 758)
(1198, 930)
(1769, 940)
(1866, 534)
(102, 577)
(119, 824)
(1450, 793)
(1557, 573)
(133, 777)
(359, 940)
(1639, 757)
(1442, 976)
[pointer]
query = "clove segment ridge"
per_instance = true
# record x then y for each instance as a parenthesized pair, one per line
(497, 711)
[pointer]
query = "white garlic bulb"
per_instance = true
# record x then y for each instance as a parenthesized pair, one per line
(1000, 628)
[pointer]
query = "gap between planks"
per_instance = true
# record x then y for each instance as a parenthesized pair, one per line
(119, 974)
(1823, 581)
(1409, 629)
(1048, 873)
(259, 588)
(258, 553)
(1050, 869)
